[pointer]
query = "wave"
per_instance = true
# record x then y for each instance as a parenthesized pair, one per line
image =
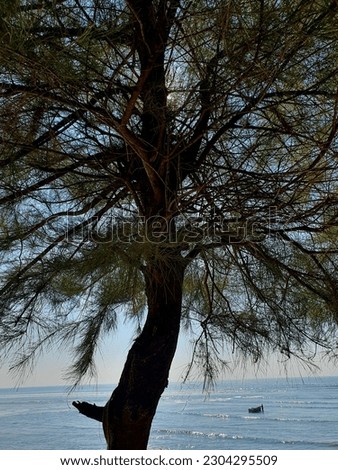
(253, 417)
(258, 442)
(188, 432)
(216, 415)
(287, 419)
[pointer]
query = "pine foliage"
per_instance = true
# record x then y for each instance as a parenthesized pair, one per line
(202, 133)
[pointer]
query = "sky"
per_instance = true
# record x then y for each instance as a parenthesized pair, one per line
(51, 368)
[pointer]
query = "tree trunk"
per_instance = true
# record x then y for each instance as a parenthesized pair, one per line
(128, 414)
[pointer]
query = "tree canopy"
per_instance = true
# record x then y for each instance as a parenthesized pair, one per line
(139, 137)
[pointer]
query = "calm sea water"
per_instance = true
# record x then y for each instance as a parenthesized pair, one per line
(299, 414)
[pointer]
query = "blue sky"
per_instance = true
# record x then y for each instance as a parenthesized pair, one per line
(51, 368)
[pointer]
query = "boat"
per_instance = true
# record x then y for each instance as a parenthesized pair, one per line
(257, 409)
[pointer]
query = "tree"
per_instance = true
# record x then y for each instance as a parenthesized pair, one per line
(175, 162)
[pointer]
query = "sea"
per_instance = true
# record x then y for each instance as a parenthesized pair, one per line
(299, 414)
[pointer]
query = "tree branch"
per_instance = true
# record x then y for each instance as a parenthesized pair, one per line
(89, 410)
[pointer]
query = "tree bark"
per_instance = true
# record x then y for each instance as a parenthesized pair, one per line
(128, 414)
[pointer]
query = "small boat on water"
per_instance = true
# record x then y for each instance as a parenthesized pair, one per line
(257, 409)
